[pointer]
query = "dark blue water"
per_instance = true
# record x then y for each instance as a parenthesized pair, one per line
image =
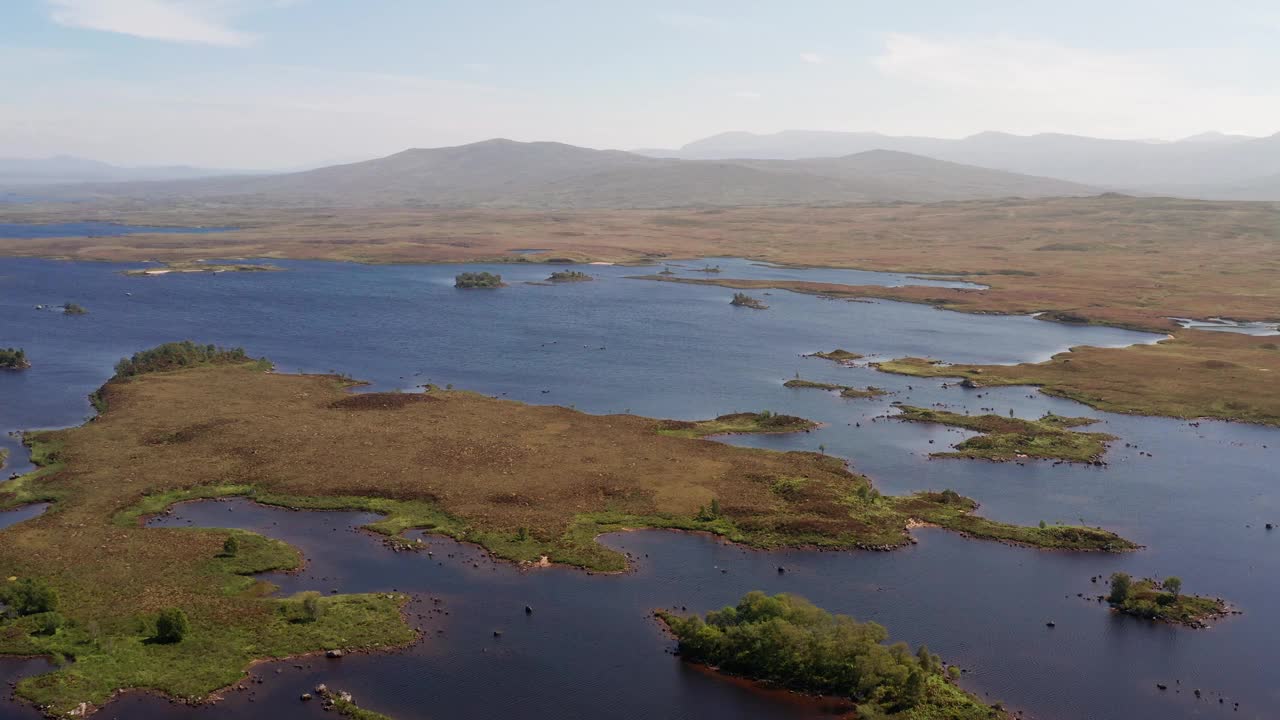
(670, 350)
(91, 229)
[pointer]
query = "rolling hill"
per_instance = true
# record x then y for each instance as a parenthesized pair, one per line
(1213, 161)
(505, 173)
(63, 169)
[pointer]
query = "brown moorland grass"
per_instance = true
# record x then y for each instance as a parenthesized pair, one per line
(524, 481)
(1197, 373)
(1112, 259)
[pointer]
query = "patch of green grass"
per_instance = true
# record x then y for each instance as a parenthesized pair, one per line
(735, 424)
(1009, 438)
(26, 489)
(212, 655)
(952, 511)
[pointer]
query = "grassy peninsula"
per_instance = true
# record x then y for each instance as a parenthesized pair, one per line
(1197, 373)
(14, 359)
(765, 421)
(1010, 438)
(478, 280)
(786, 641)
(845, 390)
(188, 421)
(745, 300)
(1162, 601)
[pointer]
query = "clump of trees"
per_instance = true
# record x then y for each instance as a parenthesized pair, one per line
(231, 546)
(28, 596)
(771, 419)
(171, 625)
(745, 300)
(1160, 600)
(14, 359)
(70, 308)
(177, 355)
(569, 276)
(35, 600)
(787, 641)
(478, 280)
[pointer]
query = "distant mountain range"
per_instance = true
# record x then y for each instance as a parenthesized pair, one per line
(505, 173)
(67, 169)
(1206, 165)
(793, 167)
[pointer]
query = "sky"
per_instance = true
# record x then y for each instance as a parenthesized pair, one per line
(296, 83)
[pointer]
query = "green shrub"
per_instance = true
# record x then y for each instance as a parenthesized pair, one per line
(171, 625)
(48, 623)
(1120, 586)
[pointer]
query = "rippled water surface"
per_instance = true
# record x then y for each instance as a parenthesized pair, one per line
(1198, 502)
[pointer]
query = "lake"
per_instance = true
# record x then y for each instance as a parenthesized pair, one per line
(91, 229)
(1198, 502)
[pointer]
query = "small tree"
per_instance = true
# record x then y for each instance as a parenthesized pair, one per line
(1173, 584)
(1120, 585)
(311, 607)
(715, 507)
(913, 691)
(231, 546)
(171, 625)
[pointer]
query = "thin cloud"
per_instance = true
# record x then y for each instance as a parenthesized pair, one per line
(690, 21)
(1030, 84)
(811, 58)
(198, 22)
(747, 95)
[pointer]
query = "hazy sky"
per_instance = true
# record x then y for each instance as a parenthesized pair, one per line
(280, 83)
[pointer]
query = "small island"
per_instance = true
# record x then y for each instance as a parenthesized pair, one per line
(70, 308)
(845, 390)
(1010, 438)
(785, 641)
(745, 300)
(197, 266)
(14, 359)
(468, 280)
(1162, 601)
(766, 421)
(565, 276)
(709, 269)
(839, 355)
